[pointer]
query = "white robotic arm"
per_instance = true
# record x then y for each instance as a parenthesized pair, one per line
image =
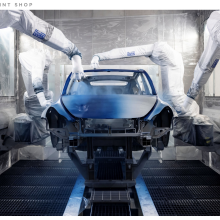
(27, 23)
(207, 61)
(35, 63)
(172, 70)
(144, 50)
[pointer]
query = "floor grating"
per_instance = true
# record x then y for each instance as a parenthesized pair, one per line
(167, 180)
(179, 188)
(16, 192)
(183, 188)
(212, 206)
(203, 192)
(8, 206)
(40, 188)
(187, 207)
(8, 180)
(164, 208)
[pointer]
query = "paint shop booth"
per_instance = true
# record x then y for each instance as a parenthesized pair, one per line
(109, 112)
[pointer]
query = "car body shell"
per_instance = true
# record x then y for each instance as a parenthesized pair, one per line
(109, 106)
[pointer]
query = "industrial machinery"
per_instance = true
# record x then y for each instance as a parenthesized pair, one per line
(109, 114)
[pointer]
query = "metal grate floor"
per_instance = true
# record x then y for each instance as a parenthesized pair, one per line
(37, 188)
(183, 188)
(179, 188)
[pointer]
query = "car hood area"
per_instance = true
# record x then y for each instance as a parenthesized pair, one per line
(109, 106)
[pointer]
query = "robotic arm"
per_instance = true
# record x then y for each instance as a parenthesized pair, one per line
(35, 65)
(207, 61)
(172, 67)
(27, 23)
(172, 70)
(144, 50)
